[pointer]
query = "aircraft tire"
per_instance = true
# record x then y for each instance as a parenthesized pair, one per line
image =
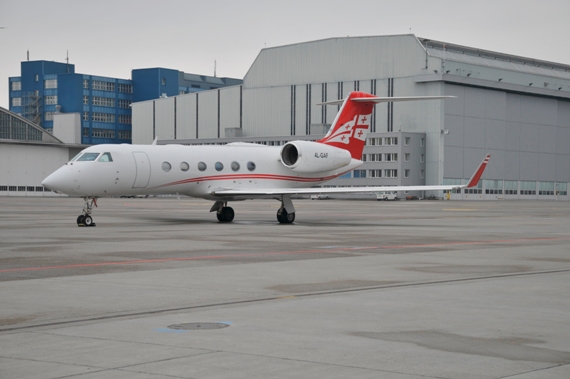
(80, 219)
(88, 221)
(285, 218)
(226, 214)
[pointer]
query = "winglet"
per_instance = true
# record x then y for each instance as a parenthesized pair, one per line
(478, 173)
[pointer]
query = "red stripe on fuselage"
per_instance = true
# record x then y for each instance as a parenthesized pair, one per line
(250, 176)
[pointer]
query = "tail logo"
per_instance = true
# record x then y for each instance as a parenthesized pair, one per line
(355, 128)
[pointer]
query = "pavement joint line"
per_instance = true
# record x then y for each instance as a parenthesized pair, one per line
(65, 323)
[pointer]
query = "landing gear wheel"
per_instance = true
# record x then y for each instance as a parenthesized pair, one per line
(88, 221)
(80, 220)
(226, 214)
(285, 218)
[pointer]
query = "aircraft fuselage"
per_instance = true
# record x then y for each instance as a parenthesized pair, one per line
(190, 170)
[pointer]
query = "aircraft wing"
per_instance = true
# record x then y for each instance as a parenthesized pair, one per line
(322, 190)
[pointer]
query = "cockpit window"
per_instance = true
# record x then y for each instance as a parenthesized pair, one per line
(106, 157)
(88, 157)
(75, 157)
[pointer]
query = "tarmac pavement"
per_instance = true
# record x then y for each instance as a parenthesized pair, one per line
(353, 289)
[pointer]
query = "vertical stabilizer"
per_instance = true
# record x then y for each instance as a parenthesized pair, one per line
(351, 124)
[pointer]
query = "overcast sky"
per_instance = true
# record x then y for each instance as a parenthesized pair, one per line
(112, 37)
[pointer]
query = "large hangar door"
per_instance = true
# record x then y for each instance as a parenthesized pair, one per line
(143, 170)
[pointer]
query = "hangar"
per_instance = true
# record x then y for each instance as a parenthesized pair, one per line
(28, 154)
(515, 108)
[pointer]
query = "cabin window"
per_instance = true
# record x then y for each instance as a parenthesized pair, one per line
(88, 157)
(250, 166)
(202, 166)
(235, 166)
(219, 166)
(166, 166)
(184, 166)
(106, 157)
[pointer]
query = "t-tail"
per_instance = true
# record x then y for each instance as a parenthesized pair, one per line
(350, 126)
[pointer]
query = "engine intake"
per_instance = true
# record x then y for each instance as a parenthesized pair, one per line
(307, 156)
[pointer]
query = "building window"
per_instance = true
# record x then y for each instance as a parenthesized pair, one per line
(375, 157)
(375, 141)
(407, 141)
(124, 119)
(16, 86)
(528, 188)
(85, 116)
(37, 78)
(50, 83)
(422, 175)
(374, 173)
(16, 101)
(391, 141)
(406, 173)
(359, 173)
(392, 157)
(103, 117)
(125, 88)
(391, 173)
(103, 101)
(163, 81)
(422, 158)
(546, 188)
(50, 100)
(103, 133)
(124, 134)
(49, 116)
(126, 104)
(85, 100)
(562, 189)
(85, 132)
(422, 142)
(86, 83)
(103, 86)
(494, 187)
(511, 187)
(406, 157)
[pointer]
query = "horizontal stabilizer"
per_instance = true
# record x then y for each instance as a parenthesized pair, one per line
(386, 99)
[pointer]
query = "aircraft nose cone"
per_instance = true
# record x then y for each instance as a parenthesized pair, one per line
(58, 181)
(50, 182)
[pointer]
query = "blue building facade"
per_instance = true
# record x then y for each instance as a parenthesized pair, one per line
(46, 88)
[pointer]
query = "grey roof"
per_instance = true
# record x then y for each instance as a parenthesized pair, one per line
(464, 54)
(17, 128)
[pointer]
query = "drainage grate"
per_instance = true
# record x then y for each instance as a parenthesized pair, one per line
(198, 326)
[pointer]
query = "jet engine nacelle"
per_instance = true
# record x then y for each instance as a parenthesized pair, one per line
(307, 156)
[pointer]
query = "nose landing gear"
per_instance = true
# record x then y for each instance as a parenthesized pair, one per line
(85, 219)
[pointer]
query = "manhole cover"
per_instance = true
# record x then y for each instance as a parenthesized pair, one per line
(198, 326)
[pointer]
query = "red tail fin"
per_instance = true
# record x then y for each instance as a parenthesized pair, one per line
(350, 126)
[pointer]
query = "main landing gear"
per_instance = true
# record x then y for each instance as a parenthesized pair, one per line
(285, 214)
(223, 212)
(85, 219)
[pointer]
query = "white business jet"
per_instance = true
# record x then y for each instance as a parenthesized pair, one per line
(232, 172)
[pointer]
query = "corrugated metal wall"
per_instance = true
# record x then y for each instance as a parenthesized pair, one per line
(528, 137)
(164, 118)
(229, 108)
(267, 111)
(142, 131)
(208, 114)
(186, 116)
